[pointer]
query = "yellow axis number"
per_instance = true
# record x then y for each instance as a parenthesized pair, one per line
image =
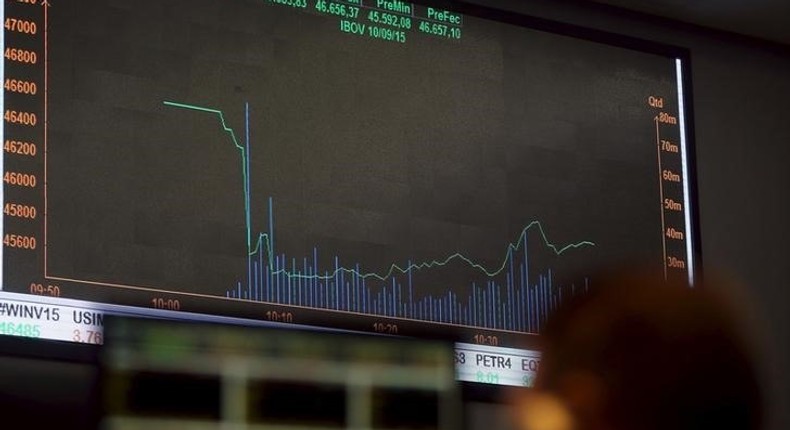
(21, 179)
(17, 210)
(21, 86)
(21, 55)
(19, 241)
(20, 148)
(22, 118)
(21, 26)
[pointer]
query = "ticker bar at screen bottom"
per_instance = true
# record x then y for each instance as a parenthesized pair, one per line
(496, 365)
(70, 320)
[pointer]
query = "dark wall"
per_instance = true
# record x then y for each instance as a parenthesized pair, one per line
(46, 394)
(741, 102)
(743, 151)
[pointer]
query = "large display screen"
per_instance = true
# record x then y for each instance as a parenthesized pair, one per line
(439, 170)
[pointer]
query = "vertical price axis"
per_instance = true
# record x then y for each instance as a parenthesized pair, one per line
(46, 7)
(2, 138)
(24, 128)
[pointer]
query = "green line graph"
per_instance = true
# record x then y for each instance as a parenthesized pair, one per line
(270, 277)
(263, 238)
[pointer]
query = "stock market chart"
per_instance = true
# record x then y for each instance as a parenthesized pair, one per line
(368, 165)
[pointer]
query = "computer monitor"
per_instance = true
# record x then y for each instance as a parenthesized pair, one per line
(173, 374)
(428, 169)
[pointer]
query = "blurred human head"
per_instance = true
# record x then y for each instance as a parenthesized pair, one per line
(638, 353)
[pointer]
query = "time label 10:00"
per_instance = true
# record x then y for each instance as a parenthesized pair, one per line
(166, 304)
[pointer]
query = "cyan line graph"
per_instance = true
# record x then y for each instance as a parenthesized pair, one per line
(269, 279)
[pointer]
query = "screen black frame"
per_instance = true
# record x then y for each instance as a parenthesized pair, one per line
(42, 349)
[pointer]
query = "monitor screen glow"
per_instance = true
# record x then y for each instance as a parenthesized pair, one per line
(378, 166)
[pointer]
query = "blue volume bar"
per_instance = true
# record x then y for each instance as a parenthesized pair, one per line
(508, 301)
